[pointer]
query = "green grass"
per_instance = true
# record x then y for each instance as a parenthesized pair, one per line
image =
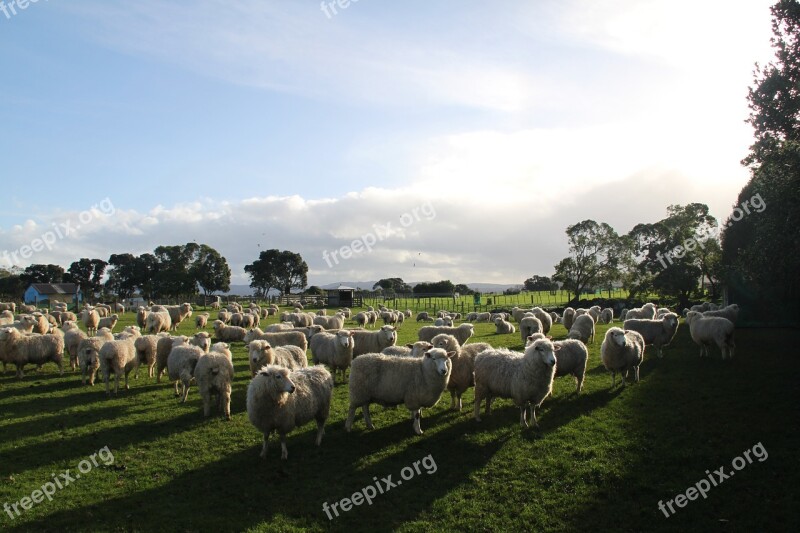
(600, 461)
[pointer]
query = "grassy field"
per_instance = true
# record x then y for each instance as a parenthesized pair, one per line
(600, 461)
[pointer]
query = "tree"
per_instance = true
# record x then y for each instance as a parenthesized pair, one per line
(595, 254)
(147, 269)
(761, 249)
(277, 270)
(123, 277)
(394, 285)
(87, 273)
(211, 271)
(539, 283)
(174, 277)
(42, 274)
(462, 289)
(438, 287)
(11, 284)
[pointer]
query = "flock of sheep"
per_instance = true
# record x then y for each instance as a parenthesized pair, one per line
(285, 392)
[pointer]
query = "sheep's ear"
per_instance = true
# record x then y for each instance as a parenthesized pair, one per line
(451, 354)
(530, 338)
(409, 345)
(556, 347)
(428, 353)
(550, 337)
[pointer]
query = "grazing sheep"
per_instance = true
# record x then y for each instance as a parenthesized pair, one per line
(463, 332)
(414, 382)
(214, 376)
(164, 346)
(568, 317)
(72, 340)
(544, 317)
(181, 363)
(647, 311)
(273, 328)
(225, 316)
(607, 316)
(279, 400)
(118, 356)
(8, 306)
(707, 329)
(330, 322)
(526, 378)
(228, 333)
(502, 327)
(301, 319)
(621, 352)
(582, 329)
(247, 321)
(91, 320)
(261, 352)
(374, 341)
(6, 318)
(408, 313)
(201, 320)
(89, 355)
(423, 317)
(463, 361)
(731, 312)
(659, 332)
(334, 350)
(554, 317)
(528, 326)
(297, 338)
(158, 321)
(416, 349)
(21, 349)
(108, 322)
(178, 313)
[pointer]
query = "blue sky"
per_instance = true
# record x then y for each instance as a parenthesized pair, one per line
(256, 124)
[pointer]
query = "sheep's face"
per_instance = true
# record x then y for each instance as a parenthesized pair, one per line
(441, 359)
(345, 338)
(618, 337)
(277, 379)
(389, 333)
(545, 350)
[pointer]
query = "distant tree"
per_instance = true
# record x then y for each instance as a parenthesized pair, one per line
(462, 289)
(88, 273)
(313, 290)
(275, 269)
(596, 252)
(11, 284)
(211, 271)
(42, 274)
(147, 268)
(540, 283)
(438, 287)
(174, 277)
(123, 277)
(396, 285)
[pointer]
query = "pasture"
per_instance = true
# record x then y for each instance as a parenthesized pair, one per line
(600, 461)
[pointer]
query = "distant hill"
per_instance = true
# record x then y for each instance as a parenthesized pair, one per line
(245, 290)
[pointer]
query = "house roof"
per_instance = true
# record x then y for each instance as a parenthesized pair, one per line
(343, 288)
(55, 288)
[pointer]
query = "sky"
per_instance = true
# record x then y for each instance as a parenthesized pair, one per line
(461, 136)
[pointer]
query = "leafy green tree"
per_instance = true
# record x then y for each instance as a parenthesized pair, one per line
(395, 285)
(540, 283)
(275, 269)
(174, 277)
(462, 289)
(211, 271)
(11, 284)
(595, 255)
(123, 277)
(438, 287)
(42, 274)
(87, 273)
(147, 268)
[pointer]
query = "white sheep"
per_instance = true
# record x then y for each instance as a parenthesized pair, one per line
(647, 311)
(334, 350)
(178, 313)
(163, 348)
(568, 317)
(214, 376)
(416, 349)
(280, 400)
(88, 353)
(607, 316)
(21, 349)
(554, 317)
(414, 382)
(330, 322)
(158, 321)
(228, 333)
(445, 321)
(463, 332)
(528, 326)
(181, 363)
(261, 352)
(373, 341)
(526, 378)
(297, 338)
(502, 327)
(146, 350)
(544, 317)
(571, 358)
(108, 322)
(582, 329)
(72, 340)
(118, 356)
(463, 361)
(622, 351)
(201, 320)
(731, 312)
(705, 330)
(90, 319)
(658, 332)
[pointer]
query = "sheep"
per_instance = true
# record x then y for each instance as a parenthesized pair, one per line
(607, 316)
(621, 352)
(8, 306)
(568, 317)
(528, 326)
(6, 318)
(581, 311)
(261, 352)
(301, 319)
(554, 317)
(201, 320)
(374, 341)
(21, 349)
(423, 317)
(181, 363)
(372, 318)
(731, 312)
(582, 329)
(416, 349)
(707, 329)
(24, 323)
(647, 311)
(228, 333)
(330, 322)
(118, 356)
(72, 340)
(201, 339)
(280, 338)
(462, 332)
(414, 382)
(26, 308)
(88, 353)
(40, 324)
(247, 321)
(108, 322)
(334, 350)
(408, 313)
(146, 349)
(544, 317)
(518, 313)
(214, 375)
(141, 317)
(362, 319)
(526, 378)
(661, 311)
(463, 361)
(571, 358)
(502, 327)
(158, 321)
(91, 320)
(280, 400)
(224, 316)
(273, 328)
(178, 313)
(446, 321)
(163, 347)
(659, 332)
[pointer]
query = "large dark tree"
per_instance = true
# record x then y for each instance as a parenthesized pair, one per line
(11, 285)
(87, 273)
(539, 283)
(123, 276)
(174, 276)
(275, 269)
(437, 287)
(211, 271)
(595, 251)
(42, 274)
(761, 249)
(147, 268)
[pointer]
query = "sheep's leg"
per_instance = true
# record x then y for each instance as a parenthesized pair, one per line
(452, 400)
(116, 381)
(185, 391)
(264, 447)
(60, 367)
(177, 393)
(488, 405)
(367, 418)
(150, 370)
(206, 404)
(660, 351)
(284, 450)
(126, 380)
(636, 371)
(613, 379)
(416, 415)
(106, 380)
(523, 415)
(460, 405)
(320, 431)
(533, 416)
(351, 414)
(477, 412)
